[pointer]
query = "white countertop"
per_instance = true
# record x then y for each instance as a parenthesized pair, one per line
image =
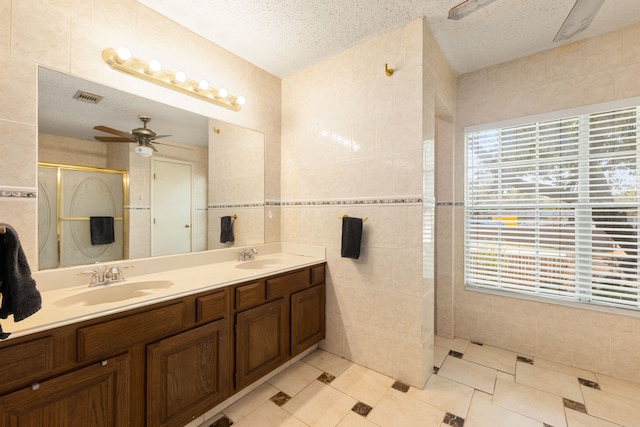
(66, 305)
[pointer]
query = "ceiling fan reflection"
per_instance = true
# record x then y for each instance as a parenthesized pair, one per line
(144, 137)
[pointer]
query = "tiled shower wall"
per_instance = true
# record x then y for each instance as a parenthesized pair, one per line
(358, 143)
(596, 70)
(69, 37)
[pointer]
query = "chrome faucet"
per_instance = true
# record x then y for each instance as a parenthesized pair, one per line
(105, 276)
(247, 254)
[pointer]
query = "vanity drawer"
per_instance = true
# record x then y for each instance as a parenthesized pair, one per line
(250, 295)
(317, 275)
(211, 307)
(25, 362)
(284, 285)
(107, 338)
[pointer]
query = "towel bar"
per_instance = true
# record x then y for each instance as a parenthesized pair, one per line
(363, 219)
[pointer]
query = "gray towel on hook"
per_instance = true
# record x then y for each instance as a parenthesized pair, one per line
(351, 237)
(226, 229)
(19, 294)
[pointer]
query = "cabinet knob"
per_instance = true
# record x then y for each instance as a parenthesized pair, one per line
(35, 386)
(104, 363)
(187, 226)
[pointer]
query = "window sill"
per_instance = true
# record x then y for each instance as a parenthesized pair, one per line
(564, 303)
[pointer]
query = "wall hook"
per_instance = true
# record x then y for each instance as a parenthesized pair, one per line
(388, 71)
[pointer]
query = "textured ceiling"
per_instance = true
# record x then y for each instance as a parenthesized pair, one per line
(284, 36)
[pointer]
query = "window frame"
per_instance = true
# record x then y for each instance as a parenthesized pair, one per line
(578, 299)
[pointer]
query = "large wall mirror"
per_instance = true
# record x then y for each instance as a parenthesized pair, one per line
(201, 188)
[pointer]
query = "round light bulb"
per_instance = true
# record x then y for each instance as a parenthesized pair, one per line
(241, 100)
(180, 77)
(123, 54)
(143, 151)
(154, 66)
(203, 85)
(223, 93)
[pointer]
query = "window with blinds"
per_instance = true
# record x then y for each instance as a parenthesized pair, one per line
(551, 208)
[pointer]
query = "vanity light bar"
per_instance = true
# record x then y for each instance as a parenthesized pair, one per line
(120, 59)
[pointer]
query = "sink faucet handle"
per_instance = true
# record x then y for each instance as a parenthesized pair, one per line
(95, 276)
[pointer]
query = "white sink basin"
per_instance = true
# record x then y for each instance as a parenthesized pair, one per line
(260, 264)
(114, 293)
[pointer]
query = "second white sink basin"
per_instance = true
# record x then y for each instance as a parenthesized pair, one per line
(114, 293)
(259, 264)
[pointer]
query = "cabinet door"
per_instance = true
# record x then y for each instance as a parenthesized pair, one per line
(262, 340)
(307, 318)
(96, 396)
(186, 375)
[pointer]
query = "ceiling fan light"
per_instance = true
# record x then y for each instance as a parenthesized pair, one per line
(143, 151)
(579, 18)
(123, 54)
(154, 66)
(180, 77)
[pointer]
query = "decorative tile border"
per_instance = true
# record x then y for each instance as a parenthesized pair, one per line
(19, 193)
(353, 202)
(450, 204)
(235, 205)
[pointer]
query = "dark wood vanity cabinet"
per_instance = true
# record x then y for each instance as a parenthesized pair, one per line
(164, 364)
(286, 317)
(307, 318)
(96, 395)
(186, 374)
(261, 341)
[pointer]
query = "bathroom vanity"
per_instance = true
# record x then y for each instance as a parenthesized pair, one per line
(170, 357)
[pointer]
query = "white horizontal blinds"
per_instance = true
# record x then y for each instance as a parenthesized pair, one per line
(539, 201)
(613, 200)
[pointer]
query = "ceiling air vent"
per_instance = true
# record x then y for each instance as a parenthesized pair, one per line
(89, 97)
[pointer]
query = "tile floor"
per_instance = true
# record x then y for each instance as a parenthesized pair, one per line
(473, 385)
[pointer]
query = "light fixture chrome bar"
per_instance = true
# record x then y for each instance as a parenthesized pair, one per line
(177, 81)
(466, 8)
(579, 18)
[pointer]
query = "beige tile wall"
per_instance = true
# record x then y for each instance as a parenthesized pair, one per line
(353, 135)
(69, 37)
(597, 70)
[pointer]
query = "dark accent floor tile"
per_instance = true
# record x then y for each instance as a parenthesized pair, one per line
(400, 386)
(435, 369)
(326, 378)
(455, 354)
(222, 422)
(361, 409)
(453, 420)
(588, 383)
(281, 398)
(572, 404)
(525, 360)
